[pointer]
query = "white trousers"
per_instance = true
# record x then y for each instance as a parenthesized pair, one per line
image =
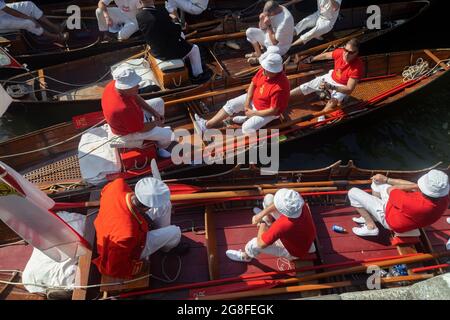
(319, 25)
(314, 86)
(236, 105)
(374, 205)
(165, 236)
(127, 25)
(195, 60)
(256, 35)
(162, 136)
(194, 7)
(277, 248)
(9, 22)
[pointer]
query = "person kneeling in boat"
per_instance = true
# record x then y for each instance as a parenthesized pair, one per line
(266, 99)
(286, 228)
(120, 19)
(25, 15)
(322, 21)
(165, 40)
(125, 240)
(194, 7)
(276, 28)
(131, 118)
(400, 205)
(338, 83)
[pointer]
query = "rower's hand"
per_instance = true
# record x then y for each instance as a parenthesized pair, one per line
(249, 112)
(379, 179)
(108, 19)
(256, 220)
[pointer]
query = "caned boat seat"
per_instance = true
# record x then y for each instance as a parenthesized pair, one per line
(410, 237)
(140, 281)
(169, 73)
(137, 158)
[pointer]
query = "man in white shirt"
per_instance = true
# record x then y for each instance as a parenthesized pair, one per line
(321, 21)
(27, 16)
(120, 19)
(276, 28)
(194, 7)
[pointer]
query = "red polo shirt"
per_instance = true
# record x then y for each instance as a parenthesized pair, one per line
(297, 235)
(122, 113)
(406, 211)
(343, 70)
(121, 233)
(271, 92)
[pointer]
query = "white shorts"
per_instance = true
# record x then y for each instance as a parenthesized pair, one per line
(236, 105)
(314, 86)
(125, 24)
(256, 35)
(374, 205)
(9, 22)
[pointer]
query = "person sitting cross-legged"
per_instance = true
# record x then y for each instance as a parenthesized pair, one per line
(25, 15)
(286, 229)
(338, 83)
(267, 97)
(131, 118)
(400, 205)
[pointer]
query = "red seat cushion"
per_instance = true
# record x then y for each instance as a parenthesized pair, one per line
(137, 158)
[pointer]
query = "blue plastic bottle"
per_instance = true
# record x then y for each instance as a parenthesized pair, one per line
(338, 229)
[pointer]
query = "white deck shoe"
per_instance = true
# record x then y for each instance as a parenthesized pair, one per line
(363, 231)
(359, 220)
(163, 153)
(200, 122)
(237, 255)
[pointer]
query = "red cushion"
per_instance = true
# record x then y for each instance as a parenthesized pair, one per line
(137, 158)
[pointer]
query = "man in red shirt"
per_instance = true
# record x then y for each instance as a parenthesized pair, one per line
(124, 238)
(340, 82)
(290, 236)
(131, 118)
(267, 97)
(400, 205)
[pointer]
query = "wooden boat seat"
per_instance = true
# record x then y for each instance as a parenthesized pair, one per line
(142, 283)
(169, 74)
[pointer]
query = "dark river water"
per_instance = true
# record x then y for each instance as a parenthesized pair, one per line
(411, 134)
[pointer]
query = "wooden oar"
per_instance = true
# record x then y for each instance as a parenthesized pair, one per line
(176, 197)
(308, 287)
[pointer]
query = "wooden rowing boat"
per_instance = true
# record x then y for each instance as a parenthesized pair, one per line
(38, 53)
(214, 217)
(383, 85)
(229, 66)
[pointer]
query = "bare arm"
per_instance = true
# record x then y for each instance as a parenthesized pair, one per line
(250, 91)
(268, 112)
(272, 36)
(348, 89)
(262, 228)
(396, 183)
(103, 7)
(323, 56)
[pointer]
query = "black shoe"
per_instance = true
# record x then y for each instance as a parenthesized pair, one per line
(181, 249)
(202, 78)
(55, 294)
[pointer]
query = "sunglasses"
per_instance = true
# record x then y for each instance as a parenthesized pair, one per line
(350, 52)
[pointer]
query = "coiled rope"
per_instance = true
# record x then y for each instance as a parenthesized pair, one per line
(421, 69)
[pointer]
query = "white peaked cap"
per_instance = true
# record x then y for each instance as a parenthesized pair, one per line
(126, 78)
(152, 193)
(289, 203)
(434, 184)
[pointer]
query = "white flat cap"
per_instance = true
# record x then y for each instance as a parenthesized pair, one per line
(152, 193)
(126, 78)
(288, 202)
(434, 184)
(271, 62)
